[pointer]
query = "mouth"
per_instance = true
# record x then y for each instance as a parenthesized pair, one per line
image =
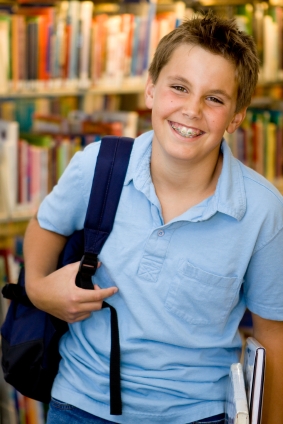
(184, 131)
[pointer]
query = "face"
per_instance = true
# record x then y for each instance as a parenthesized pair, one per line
(193, 102)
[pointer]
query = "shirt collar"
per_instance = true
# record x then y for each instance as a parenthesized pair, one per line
(229, 197)
(139, 166)
(230, 192)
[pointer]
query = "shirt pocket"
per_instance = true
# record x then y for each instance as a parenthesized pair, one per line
(200, 297)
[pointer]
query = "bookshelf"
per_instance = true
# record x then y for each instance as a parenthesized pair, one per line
(111, 72)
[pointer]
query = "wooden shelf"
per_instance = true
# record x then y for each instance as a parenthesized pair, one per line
(12, 228)
(131, 87)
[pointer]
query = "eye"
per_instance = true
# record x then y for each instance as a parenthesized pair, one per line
(214, 99)
(179, 88)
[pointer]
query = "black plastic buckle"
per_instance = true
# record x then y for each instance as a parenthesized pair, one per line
(88, 264)
(87, 269)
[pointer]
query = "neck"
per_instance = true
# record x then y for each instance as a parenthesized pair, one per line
(179, 185)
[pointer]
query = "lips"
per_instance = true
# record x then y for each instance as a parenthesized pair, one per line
(185, 131)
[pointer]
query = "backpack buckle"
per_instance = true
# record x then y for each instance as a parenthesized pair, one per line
(87, 269)
(88, 264)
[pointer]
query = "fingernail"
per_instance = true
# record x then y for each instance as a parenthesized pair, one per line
(115, 290)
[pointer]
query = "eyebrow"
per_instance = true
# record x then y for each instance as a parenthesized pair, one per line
(183, 80)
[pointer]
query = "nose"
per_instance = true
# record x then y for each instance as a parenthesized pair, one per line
(192, 107)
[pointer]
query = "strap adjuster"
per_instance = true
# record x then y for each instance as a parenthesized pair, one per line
(88, 264)
(87, 269)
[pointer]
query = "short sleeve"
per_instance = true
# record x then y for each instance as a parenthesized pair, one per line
(263, 285)
(63, 210)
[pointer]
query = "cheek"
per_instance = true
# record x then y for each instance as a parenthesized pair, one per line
(219, 120)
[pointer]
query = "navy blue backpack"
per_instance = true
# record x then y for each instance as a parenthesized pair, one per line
(30, 337)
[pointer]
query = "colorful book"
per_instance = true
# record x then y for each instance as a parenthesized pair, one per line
(98, 47)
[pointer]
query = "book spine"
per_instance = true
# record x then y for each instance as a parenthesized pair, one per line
(85, 39)
(73, 20)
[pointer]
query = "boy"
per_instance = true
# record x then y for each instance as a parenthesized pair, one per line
(197, 238)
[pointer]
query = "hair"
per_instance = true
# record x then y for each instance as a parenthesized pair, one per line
(219, 36)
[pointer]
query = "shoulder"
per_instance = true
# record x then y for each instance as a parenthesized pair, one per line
(86, 159)
(264, 209)
(259, 189)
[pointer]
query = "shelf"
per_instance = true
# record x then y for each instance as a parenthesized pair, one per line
(13, 228)
(134, 86)
(21, 214)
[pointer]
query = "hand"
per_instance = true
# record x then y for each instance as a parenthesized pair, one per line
(58, 295)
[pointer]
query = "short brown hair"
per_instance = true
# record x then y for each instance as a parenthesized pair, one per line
(219, 36)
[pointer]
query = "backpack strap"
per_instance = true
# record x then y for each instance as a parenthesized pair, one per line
(108, 180)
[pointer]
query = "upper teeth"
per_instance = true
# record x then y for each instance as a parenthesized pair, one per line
(184, 131)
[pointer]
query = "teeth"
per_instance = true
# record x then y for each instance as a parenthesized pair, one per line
(184, 131)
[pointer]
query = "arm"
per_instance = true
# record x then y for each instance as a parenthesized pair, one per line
(270, 335)
(51, 290)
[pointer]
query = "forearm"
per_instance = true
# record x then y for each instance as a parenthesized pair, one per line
(52, 290)
(270, 335)
(41, 252)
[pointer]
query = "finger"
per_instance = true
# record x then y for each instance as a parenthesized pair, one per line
(98, 294)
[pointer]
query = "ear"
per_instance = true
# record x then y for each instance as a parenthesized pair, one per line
(149, 93)
(236, 120)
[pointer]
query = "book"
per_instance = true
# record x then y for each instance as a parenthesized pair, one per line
(98, 47)
(85, 39)
(12, 266)
(5, 52)
(60, 49)
(236, 405)
(74, 24)
(115, 51)
(129, 120)
(32, 51)
(277, 118)
(270, 49)
(258, 143)
(254, 370)
(127, 27)
(270, 152)
(8, 159)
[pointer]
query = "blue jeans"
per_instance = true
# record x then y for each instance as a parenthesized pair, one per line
(63, 413)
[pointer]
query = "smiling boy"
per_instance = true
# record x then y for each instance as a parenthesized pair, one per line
(197, 239)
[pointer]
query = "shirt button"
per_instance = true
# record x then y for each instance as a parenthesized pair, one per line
(160, 233)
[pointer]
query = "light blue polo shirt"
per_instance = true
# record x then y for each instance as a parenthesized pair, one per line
(183, 288)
